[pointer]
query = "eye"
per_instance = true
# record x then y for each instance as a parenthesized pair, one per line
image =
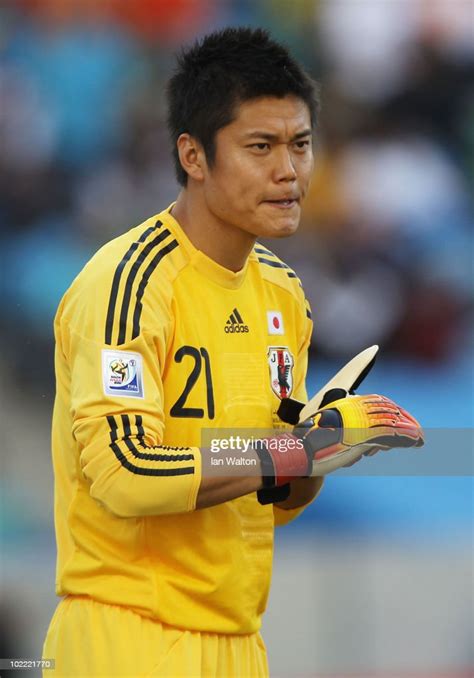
(302, 144)
(260, 146)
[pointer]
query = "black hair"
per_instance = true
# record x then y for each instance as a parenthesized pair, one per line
(222, 70)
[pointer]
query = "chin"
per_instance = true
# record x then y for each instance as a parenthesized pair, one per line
(283, 230)
(275, 228)
(286, 233)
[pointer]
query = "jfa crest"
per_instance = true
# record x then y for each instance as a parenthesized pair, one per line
(281, 364)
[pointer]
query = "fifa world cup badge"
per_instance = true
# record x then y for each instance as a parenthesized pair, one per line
(281, 364)
(122, 374)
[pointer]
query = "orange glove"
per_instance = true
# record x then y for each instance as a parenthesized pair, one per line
(338, 435)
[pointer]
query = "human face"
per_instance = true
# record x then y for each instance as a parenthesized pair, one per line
(262, 167)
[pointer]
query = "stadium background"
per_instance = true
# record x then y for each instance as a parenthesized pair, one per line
(376, 578)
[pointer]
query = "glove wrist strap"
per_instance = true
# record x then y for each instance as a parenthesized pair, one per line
(266, 464)
(283, 459)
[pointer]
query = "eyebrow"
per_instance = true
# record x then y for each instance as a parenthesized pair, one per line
(268, 136)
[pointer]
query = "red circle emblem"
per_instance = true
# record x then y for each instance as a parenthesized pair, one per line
(276, 322)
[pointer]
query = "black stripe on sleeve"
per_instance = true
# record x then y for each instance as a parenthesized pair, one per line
(141, 438)
(126, 425)
(275, 264)
(144, 282)
(291, 274)
(150, 456)
(308, 314)
(262, 250)
(130, 280)
(116, 280)
(139, 470)
(113, 429)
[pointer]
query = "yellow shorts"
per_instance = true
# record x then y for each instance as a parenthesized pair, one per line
(88, 639)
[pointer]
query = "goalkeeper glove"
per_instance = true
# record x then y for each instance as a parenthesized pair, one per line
(338, 435)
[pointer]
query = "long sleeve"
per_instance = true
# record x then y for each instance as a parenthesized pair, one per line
(119, 436)
(112, 344)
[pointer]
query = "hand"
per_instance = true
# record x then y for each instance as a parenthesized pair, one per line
(351, 427)
(338, 435)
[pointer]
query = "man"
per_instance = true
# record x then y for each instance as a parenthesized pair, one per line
(179, 325)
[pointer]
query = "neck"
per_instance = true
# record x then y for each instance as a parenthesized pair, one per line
(224, 243)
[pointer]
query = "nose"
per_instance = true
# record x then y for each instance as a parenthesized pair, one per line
(284, 167)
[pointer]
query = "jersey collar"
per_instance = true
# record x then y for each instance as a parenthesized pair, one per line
(201, 262)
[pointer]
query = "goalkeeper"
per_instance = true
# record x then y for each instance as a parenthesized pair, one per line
(183, 323)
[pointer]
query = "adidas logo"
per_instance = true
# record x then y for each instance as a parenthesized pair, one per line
(235, 323)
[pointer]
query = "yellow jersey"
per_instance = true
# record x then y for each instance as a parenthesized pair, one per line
(154, 343)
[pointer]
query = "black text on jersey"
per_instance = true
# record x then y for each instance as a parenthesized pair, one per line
(235, 324)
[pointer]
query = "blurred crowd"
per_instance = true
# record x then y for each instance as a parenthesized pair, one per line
(385, 245)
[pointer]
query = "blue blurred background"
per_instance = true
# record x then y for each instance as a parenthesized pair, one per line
(384, 251)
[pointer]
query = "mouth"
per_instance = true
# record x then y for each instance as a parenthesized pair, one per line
(284, 203)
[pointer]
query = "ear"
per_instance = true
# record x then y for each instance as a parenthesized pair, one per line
(191, 156)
